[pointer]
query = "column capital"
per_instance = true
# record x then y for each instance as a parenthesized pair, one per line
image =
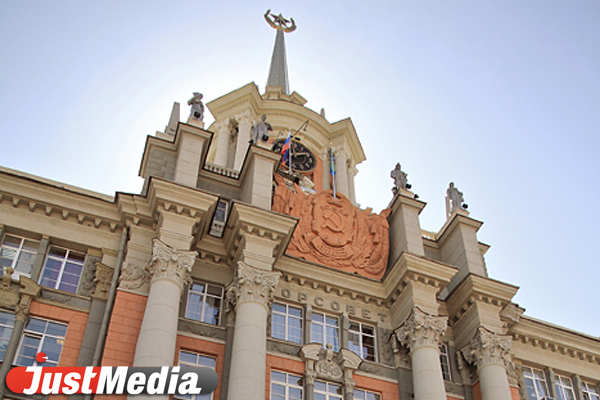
(421, 329)
(488, 347)
(169, 263)
(245, 117)
(251, 284)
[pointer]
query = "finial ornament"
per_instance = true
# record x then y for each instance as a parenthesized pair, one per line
(454, 200)
(280, 23)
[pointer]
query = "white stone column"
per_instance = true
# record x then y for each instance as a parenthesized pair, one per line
(352, 171)
(341, 170)
(421, 333)
(170, 271)
(249, 294)
(223, 134)
(244, 130)
(490, 352)
(325, 158)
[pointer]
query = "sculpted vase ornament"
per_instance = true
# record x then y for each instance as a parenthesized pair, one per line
(488, 347)
(251, 284)
(421, 329)
(169, 263)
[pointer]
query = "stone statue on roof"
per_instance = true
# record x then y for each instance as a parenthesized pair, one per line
(400, 179)
(260, 130)
(197, 111)
(454, 199)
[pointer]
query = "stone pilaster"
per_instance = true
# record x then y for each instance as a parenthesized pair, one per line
(244, 129)
(249, 295)
(421, 333)
(170, 272)
(223, 133)
(352, 171)
(490, 353)
(341, 170)
(326, 169)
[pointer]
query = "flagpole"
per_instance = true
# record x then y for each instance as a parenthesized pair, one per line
(290, 156)
(332, 170)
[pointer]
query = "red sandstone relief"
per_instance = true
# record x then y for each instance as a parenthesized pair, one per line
(333, 232)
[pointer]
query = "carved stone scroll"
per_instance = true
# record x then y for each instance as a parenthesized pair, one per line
(102, 279)
(133, 277)
(172, 264)
(334, 232)
(251, 284)
(421, 329)
(488, 347)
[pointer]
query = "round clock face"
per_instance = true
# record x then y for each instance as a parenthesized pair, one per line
(302, 158)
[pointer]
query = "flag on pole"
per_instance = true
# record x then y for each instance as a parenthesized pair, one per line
(285, 150)
(332, 170)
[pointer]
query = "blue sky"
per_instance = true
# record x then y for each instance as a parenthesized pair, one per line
(500, 97)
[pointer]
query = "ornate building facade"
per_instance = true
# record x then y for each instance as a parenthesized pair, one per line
(256, 261)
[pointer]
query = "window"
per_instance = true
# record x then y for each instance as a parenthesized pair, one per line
(327, 391)
(361, 340)
(286, 386)
(19, 254)
(564, 388)
(189, 359)
(325, 329)
(445, 362)
(7, 323)
(364, 395)
(204, 303)
(590, 392)
(62, 269)
(41, 336)
(535, 383)
(286, 322)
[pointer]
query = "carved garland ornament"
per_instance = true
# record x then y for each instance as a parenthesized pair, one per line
(333, 232)
(172, 264)
(421, 329)
(488, 347)
(251, 284)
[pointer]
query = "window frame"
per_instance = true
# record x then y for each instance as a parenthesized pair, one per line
(376, 395)
(324, 326)
(18, 253)
(204, 296)
(42, 336)
(286, 385)
(534, 378)
(561, 386)
(10, 328)
(360, 334)
(327, 393)
(287, 317)
(589, 394)
(63, 264)
(199, 356)
(445, 353)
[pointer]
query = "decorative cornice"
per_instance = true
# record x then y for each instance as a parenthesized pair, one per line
(421, 329)
(487, 348)
(251, 284)
(169, 263)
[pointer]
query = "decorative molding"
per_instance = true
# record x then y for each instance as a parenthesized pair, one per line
(251, 284)
(133, 277)
(201, 329)
(327, 364)
(288, 348)
(86, 283)
(326, 368)
(9, 297)
(102, 280)
(169, 263)
(421, 329)
(556, 346)
(488, 347)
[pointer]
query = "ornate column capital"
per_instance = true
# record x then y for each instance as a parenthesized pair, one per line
(251, 284)
(341, 151)
(245, 117)
(169, 263)
(421, 329)
(488, 347)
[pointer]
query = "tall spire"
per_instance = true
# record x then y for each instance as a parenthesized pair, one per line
(278, 75)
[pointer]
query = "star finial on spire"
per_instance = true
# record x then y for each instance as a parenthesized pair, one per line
(280, 23)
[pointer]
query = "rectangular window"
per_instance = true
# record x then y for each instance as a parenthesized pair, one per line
(43, 336)
(325, 329)
(7, 323)
(285, 386)
(564, 388)
(361, 340)
(62, 269)
(535, 382)
(328, 391)
(19, 254)
(286, 322)
(364, 395)
(590, 391)
(204, 303)
(189, 359)
(445, 362)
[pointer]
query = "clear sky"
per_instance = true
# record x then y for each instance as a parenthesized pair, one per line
(501, 97)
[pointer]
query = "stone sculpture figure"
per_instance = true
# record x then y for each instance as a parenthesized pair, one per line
(197, 111)
(454, 199)
(400, 179)
(260, 130)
